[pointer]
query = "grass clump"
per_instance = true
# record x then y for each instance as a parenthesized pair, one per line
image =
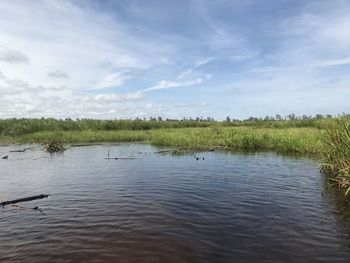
(336, 154)
(54, 146)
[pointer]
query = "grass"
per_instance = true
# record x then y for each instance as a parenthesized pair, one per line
(300, 140)
(336, 153)
(19, 127)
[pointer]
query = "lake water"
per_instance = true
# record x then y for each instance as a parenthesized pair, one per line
(229, 207)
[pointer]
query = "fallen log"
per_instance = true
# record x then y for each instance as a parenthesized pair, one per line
(18, 151)
(27, 199)
(5, 157)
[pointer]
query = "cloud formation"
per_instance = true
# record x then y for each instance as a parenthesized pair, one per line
(112, 97)
(58, 74)
(164, 84)
(12, 56)
(114, 59)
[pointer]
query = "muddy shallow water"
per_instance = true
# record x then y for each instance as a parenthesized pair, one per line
(228, 207)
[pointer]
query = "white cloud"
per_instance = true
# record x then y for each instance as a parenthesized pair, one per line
(196, 66)
(112, 97)
(58, 74)
(12, 56)
(46, 43)
(164, 84)
(95, 49)
(125, 61)
(113, 80)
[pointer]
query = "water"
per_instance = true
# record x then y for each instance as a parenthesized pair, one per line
(229, 207)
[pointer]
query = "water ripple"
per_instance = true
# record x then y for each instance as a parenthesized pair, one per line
(228, 207)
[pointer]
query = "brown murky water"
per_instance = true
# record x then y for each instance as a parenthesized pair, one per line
(227, 208)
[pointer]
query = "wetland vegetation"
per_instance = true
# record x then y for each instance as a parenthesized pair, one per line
(326, 137)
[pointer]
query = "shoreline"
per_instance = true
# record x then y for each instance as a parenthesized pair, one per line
(288, 140)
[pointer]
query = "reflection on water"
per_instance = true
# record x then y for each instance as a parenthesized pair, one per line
(228, 207)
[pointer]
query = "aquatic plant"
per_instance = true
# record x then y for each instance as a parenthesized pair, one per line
(336, 153)
(54, 146)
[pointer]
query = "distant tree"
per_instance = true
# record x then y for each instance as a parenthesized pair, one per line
(228, 119)
(305, 117)
(251, 118)
(160, 118)
(278, 117)
(329, 116)
(318, 116)
(291, 117)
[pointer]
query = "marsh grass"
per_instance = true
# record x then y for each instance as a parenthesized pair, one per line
(336, 152)
(295, 140)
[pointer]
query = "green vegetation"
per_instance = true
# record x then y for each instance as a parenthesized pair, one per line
(281, 136)
(329, 138)
(53, 147)
(19, 127)
(336, 153)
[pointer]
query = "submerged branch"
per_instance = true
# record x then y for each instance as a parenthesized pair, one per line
(26, 199)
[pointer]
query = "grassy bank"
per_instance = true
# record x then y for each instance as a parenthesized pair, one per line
(300, 140)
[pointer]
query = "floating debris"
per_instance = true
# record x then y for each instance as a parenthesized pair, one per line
(19, 151)
(5, 157)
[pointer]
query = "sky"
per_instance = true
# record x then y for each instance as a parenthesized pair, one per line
(136, 59)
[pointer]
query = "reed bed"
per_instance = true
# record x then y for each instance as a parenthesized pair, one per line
(336, 152)
(298, 140)
(20, 127)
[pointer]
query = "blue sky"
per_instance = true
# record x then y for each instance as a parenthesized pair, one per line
(128, 59)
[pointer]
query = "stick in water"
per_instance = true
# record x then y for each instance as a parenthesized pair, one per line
(27, 199)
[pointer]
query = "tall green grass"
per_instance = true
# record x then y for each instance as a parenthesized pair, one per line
(298, 140)
(19, 127)
(336, 153)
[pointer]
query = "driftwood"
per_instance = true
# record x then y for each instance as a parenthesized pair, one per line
(27, 199)
(5, 157)
(17, 151)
